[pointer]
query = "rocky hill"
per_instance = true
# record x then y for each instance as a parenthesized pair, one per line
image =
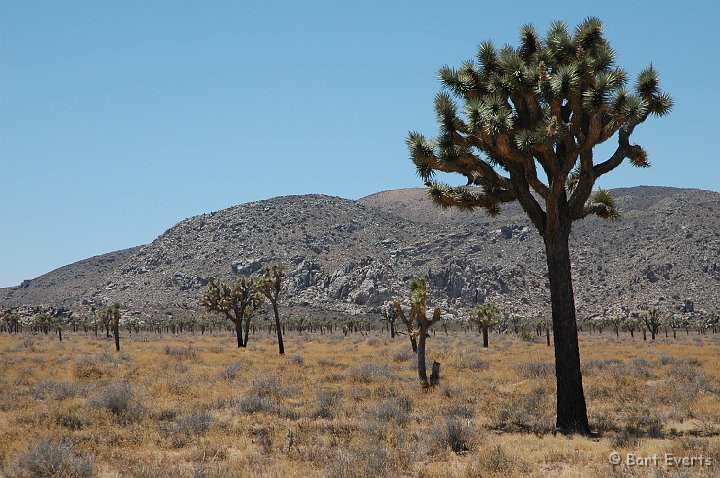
(351, 256)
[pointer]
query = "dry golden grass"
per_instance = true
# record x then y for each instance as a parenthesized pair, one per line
(197, 406)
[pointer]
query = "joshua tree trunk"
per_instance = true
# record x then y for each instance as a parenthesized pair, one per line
(422, 371)
(247, 331)
(571, 408)
(278, 327)
(485, 337)
(239, 332)
(116, 333)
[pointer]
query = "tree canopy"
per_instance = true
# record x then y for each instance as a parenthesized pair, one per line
(543, 105)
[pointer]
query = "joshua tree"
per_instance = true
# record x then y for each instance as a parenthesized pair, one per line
(107, 321)
(238, 303)
(115, 314)
(616, 322)
(544, 105)
(269, 285)
(11, 319)
(418, 314)
(631, 325)
(390, 315)
(57, 323)
(484, 318)
(652, 322)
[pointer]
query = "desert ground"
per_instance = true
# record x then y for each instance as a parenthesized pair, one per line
(351, 406)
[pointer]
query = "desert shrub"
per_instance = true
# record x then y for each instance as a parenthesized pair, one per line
(639, 424)
(47, 459)
(456, 434)
(71, 420)
(359, 393)
(327, 402)
(167, 414)
(230, 372)
(194, 424)
(117, 398)
(256, 404)
(88, 367)
(476, 363)
(459, 410)
(325, 362)
(372, 341)
(181, 368)
(592, 366)
(368, 372)
(666, 360)
(497, 460)
(642, 367)
(395, 412)
(402, 356)
(333, 378)
(371, 461)
(24, 376)
(297, 359)
(688, 372)
(181, 353)
(266, 385)
(58, 390)
(536, 369)
(531, 412)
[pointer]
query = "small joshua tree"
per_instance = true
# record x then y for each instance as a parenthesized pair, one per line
(390, 315)
(238, 303)
(269, 285)
(418, 315)
(59, 326)
(485, 317)
(616, 322)
(631, 325)
(652, 321)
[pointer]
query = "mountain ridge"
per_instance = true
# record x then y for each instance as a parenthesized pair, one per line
(351, 256)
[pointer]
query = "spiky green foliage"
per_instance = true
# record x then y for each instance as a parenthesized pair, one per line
(547, 104)
(271, 281)
(238, 303)
(602, 204)
(485, 316)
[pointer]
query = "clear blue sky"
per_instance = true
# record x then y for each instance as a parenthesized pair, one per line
(119, 119)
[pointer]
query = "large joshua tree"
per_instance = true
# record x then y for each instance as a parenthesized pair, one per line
(531, 117)
(238, 303)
